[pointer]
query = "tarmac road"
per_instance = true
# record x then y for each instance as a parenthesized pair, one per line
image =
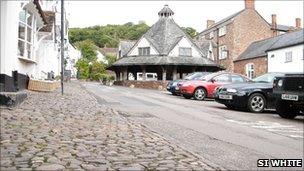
(227, 138)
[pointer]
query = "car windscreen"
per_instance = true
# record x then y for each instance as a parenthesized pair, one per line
(196, 76)
(267, 78)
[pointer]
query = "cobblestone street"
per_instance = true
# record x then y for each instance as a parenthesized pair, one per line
(73, 132)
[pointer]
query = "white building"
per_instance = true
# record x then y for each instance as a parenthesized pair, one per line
(29, 43)
(286, 54)
(73, 54)
(20, 21)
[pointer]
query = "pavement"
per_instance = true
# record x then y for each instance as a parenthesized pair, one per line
(229, 139)
(82, 130)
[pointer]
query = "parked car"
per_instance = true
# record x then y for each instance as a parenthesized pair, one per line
(200, 89)
(255, 95)
(289, 95)
(173, 87)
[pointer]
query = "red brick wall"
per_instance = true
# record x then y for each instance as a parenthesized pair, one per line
(259, 64)
(158, 85)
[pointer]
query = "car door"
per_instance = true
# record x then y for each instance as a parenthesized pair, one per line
(217, 81)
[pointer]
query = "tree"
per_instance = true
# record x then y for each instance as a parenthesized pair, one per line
(111, 59)
(82, 66)
(87, 49)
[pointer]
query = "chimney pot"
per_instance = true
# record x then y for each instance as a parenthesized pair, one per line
(249, 4)
(298, 23)
(210, 23)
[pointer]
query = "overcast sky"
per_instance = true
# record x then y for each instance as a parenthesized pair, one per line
(187, 13)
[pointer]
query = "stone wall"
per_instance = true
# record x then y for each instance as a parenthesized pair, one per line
(158, 85)
(259, 64)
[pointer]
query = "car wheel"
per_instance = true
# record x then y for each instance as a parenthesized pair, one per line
(285, 111)
(174, 94)
(200, 94)
(229, 106)
(186, 96)
(256, 103)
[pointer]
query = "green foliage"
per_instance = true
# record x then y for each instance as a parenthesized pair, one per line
(111, 59)
(190, 31)
(96, 70)
(108, 35)
(83, 69)
(87, 49)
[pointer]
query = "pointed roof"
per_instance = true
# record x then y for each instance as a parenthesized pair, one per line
(164, 34)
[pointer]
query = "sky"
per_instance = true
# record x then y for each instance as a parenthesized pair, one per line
(187, 13)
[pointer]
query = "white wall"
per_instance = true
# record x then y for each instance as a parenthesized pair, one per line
(73, 54)
(278, 64)
(9, 40)
(143, 42)
(184, 42)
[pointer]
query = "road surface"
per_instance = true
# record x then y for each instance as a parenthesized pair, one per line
(227, 138)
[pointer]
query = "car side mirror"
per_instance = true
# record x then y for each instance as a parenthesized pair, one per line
(212, 80)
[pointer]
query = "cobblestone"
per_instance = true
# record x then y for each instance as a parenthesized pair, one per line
(73, 132)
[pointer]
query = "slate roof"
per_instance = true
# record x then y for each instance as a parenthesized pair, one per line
(260, 48)
(283, 27)
(125, 46)
(204, 46)
(50, 18)
(163, 60)
(289, 39)
(163, 36)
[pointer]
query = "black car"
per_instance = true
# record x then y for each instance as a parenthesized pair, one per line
(289, 95)
(255, 95)
(172, 86)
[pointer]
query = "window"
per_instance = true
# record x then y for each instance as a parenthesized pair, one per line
(211, 35)
(288, 56)
(142, 51)
(27, 30)
(237, 79)
(249, 70)
(223, 53)
(221, 78)
(184, 51)
(222, 31)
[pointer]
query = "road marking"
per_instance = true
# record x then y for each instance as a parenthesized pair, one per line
(286, 130)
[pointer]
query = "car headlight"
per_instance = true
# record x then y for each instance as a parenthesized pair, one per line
(231, 90)
(280, 83)
(241, 93)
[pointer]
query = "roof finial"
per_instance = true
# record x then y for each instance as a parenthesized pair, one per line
(165, 12)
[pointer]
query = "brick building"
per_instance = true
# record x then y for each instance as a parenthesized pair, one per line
(234, 34)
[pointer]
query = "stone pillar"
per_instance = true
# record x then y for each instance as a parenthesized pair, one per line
(125, 74)
(174, 72)
(143, 68)
(120, 76)
(164, 72)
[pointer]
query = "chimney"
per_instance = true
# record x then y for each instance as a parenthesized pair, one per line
(249, 4)
(298, 23)
(274, 24)
(210, 23)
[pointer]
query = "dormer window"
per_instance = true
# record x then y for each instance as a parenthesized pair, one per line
(222, 31)
(185, 51)
(143, 51)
